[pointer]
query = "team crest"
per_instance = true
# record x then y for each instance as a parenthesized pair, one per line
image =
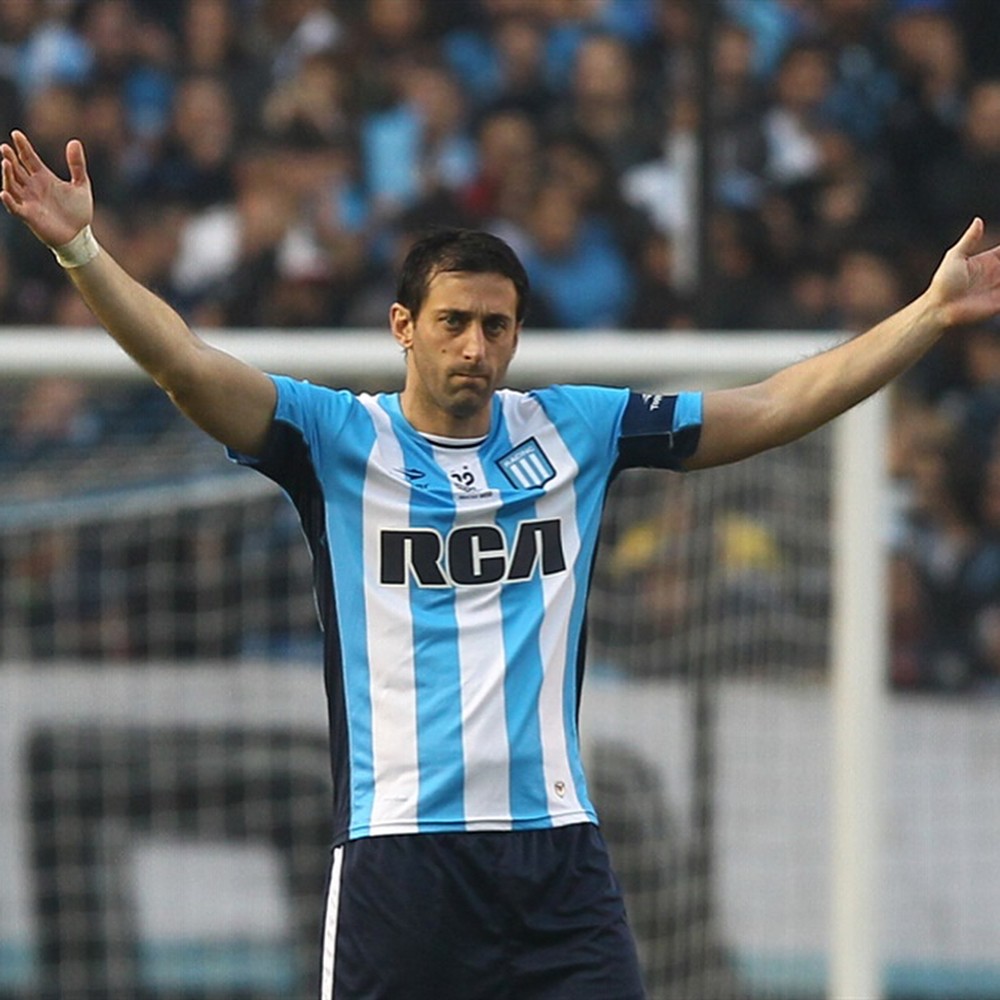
(527, 467)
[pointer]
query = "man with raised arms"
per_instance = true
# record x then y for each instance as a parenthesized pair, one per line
(453, 526)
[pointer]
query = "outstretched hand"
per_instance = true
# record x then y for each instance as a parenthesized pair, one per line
(53, 209)
(966, 285)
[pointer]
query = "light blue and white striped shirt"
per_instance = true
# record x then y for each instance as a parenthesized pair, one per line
(451, 580)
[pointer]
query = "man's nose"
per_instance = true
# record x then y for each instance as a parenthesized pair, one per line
(474, 344)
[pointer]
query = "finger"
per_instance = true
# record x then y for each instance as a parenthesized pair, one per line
(10, 157)
(10, 179)
(76, 160)
(9, 189)
(26, 152)
(970, 238)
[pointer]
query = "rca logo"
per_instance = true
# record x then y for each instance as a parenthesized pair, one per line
(470, 556)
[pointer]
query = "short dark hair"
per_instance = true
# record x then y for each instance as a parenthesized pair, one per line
(445, 250)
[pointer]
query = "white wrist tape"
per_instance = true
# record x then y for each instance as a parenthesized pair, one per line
(81, 249)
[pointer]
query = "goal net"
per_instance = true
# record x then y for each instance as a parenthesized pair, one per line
(164, 785)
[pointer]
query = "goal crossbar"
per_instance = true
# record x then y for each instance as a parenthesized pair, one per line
(355, 354)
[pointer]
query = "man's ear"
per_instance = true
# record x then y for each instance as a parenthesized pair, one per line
(401, 324)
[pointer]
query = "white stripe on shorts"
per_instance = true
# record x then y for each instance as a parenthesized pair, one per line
(330, 925)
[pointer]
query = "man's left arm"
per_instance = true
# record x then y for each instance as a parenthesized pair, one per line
(741, 422)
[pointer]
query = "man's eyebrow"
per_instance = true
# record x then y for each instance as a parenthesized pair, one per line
(469, 313)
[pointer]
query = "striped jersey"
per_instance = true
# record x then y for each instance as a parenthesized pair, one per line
(451, 579)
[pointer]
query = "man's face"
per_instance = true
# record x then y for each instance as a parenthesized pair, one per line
(458, 349)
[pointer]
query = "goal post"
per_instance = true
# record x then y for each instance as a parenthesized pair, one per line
(732, 718)
(860, 677)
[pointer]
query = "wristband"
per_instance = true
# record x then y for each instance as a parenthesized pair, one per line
(81, 249)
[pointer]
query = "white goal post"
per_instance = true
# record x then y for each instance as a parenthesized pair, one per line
(666, 362)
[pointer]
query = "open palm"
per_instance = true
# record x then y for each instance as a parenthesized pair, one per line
(54, 209)
(967, 285)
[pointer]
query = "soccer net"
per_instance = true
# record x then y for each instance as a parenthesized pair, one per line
(164, 784)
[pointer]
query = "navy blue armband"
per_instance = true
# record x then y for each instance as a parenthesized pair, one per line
(659, 431)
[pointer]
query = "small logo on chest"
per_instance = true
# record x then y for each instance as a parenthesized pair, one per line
(527, 467)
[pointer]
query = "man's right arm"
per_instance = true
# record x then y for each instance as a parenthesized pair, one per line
(229, 399)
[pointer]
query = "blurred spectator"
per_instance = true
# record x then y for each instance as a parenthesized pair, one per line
(740, 149)
(797, 116)
(571, 23)
(322, 255)
(133, 54)
(196, 165)
(41, 48)
(666, 189)
(503, 63)
(574, 161)
(17, 20)
(863, 86)
(925, 118)
(739, 287)
(292, 30)
(391, 34)
(52, 113)
(671, 52)
(937, 541)
(867, 288)
(420, 145)
(213, 42)
(656, 304)
(959, 180)
(803, 296)
(773, 25)
(150, 243)
(577, 270)
(851, 199)
(910, 623)
(508, 164)
(312, 105)
(984, 581)
(233, 245)
(603, 102)
(976, 405)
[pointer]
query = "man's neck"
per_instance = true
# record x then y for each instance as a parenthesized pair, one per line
(440, 423)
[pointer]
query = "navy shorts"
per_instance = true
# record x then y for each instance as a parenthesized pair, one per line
(525, 915)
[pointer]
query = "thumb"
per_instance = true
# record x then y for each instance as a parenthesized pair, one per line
(970, 238)
(76, 160)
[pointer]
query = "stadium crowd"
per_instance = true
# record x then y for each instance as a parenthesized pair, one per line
(263, 163)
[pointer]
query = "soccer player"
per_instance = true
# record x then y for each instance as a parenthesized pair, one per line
(453, 526)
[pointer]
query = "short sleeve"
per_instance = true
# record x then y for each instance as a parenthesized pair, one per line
(307, 418)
